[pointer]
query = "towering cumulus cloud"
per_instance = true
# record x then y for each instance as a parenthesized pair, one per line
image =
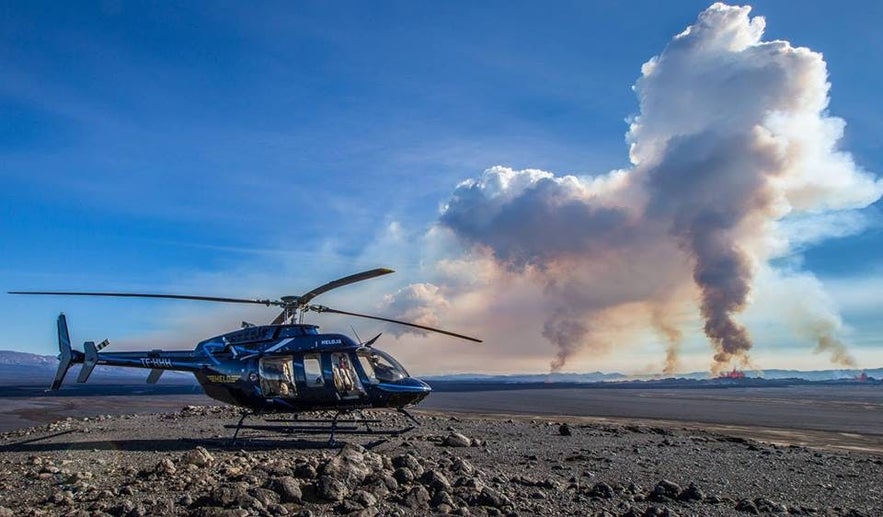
(731, 146)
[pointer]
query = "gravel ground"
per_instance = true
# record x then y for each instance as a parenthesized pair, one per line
(181, 464)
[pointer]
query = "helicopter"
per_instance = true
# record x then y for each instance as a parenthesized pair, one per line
(286, 366)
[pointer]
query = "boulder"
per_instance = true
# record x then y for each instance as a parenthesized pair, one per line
(457, 440)
(199, 457)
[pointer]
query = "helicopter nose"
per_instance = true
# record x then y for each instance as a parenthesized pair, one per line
(425, 388)
(413, 385)
(404, 392)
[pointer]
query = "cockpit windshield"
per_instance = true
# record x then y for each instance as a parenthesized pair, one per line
(380, 366)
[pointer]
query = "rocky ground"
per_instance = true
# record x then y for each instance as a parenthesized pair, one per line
(181, 464)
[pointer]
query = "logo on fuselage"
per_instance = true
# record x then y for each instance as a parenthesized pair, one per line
(331, 342)
(222, 378)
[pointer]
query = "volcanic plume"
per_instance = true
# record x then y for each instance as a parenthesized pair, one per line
(732, 142)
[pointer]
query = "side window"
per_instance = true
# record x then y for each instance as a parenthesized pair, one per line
(368, 367)
(313, 370)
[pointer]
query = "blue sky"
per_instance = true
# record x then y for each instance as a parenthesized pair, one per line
(229, 148)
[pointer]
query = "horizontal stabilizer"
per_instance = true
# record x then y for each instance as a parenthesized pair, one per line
(89, 362)
(154, 376)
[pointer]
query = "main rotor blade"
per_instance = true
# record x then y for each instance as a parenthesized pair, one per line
(340, 282)
(322, 308)
(143, 295)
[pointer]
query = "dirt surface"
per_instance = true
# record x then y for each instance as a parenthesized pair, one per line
(180, 463)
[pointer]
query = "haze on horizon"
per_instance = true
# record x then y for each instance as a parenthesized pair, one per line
(263, 153)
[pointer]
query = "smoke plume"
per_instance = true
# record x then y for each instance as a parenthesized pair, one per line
(732, 141)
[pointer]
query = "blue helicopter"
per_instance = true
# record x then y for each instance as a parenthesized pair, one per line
(284, 367)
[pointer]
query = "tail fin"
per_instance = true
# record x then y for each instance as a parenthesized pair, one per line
(65, 357)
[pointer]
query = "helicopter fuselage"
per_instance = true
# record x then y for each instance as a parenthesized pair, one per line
(274, 368)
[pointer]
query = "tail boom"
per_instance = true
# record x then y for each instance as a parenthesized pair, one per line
(157, 361)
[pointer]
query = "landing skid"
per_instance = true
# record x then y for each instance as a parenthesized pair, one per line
(359, 425)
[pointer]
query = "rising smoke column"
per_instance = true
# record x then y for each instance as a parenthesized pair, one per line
(732, 141)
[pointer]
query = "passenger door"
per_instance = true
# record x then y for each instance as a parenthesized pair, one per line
(276, 377)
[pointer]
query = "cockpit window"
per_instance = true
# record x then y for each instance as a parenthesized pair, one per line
(380, 366)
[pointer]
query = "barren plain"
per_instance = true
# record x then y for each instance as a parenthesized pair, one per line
(807, 451)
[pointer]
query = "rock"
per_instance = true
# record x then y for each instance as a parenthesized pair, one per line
(277, 509)
(61, 497)
(410, 462)
(403, 475)
(331, 489)
(442, 498)
(747, 506)
(348, 507)
(418, 497)
(227, 495)
(691, 493)
(364, 498)
(305, 471)
(765, 505)
(664, 490)
(165, 467)
(288, 489)
(265, 496)
(462, 467)
(490, 497)
(601, 490)
(214, 511)
(435, 481)
(349, 466)
(656, 511)
(564, 430)
(199, 457)
(457, 440)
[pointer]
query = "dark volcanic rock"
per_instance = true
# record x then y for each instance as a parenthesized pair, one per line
(665, 490)
(747, 506)
(435, 481)
(417, 497)
(521, 470)
(331, 489)
(691, 493)
(288, 488)
(457, 440)
(602, 490)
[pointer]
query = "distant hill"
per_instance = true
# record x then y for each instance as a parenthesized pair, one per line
(772, 374)
(9, 357)
(530, 377)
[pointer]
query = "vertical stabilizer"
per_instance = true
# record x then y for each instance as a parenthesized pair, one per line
(65, 355)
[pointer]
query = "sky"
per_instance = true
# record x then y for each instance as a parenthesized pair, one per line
(226, 149)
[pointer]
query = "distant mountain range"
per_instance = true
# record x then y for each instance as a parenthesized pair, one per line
(26, 368)
(772, 374)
